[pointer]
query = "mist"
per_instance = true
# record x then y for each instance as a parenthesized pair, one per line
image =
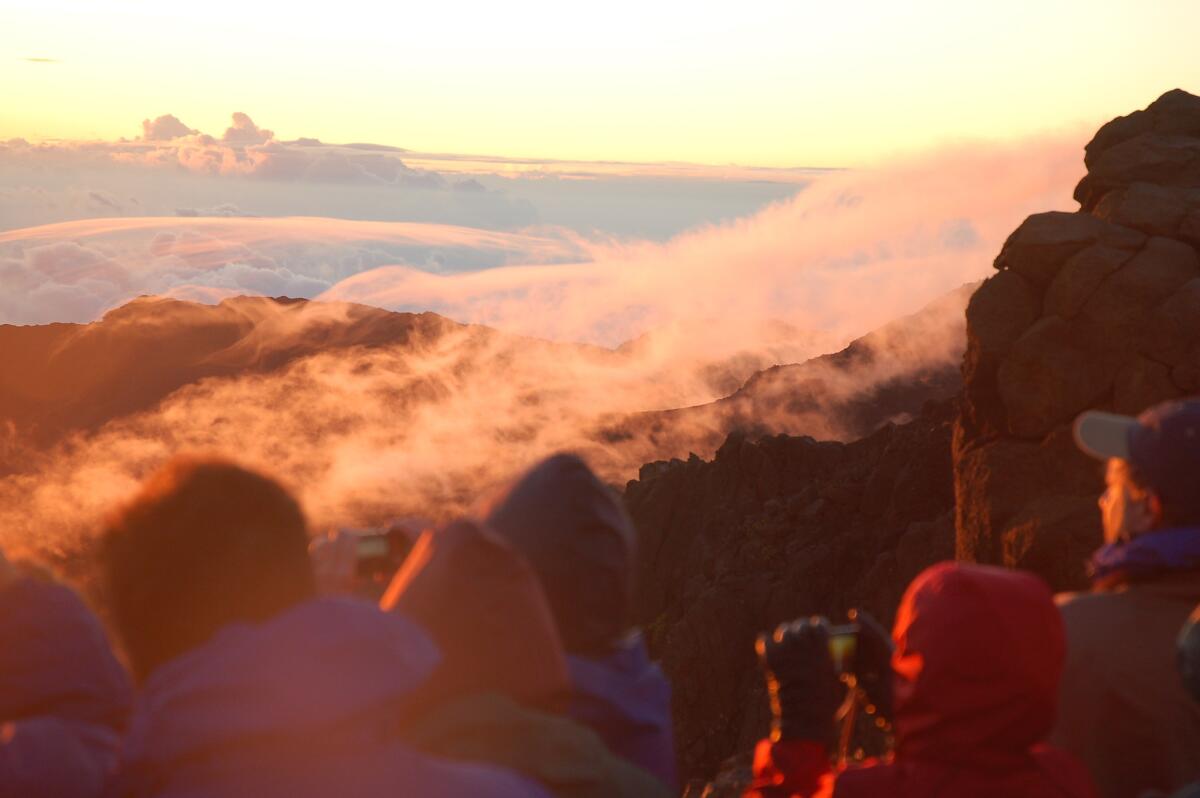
(365, 434)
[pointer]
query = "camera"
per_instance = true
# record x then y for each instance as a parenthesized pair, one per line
(843, 646)
(380, 551)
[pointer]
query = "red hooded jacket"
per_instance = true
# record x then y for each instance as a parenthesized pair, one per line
(979, 652)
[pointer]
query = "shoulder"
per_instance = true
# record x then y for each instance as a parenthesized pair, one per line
(1082, 608)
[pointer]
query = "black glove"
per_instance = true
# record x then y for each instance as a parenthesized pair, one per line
(873, 662)
(804, 688)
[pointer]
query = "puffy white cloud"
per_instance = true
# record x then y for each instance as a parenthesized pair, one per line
(165, 128)
(244, 132)
(170, 166)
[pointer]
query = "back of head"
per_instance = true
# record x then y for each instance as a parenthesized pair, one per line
(979, 653)
(574, 532)
(204, 543)
(483, 607)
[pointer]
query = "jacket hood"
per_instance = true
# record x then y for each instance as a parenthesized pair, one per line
(483, 606)
(979, 653)
(321, 662)
(54, 656)
(626, 699)
(575, 533)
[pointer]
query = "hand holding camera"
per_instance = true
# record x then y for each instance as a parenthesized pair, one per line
(801, 680)
(362, 561)
(807, 663)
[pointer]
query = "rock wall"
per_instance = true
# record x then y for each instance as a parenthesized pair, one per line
(1094, 309)
(769, 530)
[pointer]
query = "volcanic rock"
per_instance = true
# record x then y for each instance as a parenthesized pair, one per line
(769, 530)
(1094, 309)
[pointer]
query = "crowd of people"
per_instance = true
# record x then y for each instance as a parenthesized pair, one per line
(502, 659)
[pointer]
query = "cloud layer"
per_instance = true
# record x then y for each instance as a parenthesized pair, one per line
(369, 433)
(172, 168)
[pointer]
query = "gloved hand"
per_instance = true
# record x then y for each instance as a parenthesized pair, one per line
(873, 662)
(804, 688)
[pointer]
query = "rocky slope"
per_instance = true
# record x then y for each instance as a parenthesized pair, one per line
(1094, 309)
(59, 378)
(773, 529)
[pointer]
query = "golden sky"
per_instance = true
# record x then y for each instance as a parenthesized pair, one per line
(799, 83)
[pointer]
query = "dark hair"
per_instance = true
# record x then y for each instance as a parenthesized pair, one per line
(1173, 514)
(205, 543)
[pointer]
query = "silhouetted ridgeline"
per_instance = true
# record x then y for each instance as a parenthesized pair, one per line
(884, 376)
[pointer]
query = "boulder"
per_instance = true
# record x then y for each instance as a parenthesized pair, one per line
(1038, 248)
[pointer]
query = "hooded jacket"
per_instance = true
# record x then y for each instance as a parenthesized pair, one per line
(626, 699)
(979, 652)
(64, 698)
(497, 694)
(574, 532)
(1123, 708)
(304, 704)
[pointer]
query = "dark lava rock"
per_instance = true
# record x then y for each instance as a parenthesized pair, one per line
(1094, 309)
(773, 529)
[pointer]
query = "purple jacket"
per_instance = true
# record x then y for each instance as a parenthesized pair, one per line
(626, 699)
(302, 705)
(64, 698)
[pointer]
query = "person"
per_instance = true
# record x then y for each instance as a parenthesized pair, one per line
(978, 654)
(499, 691)
(574, 532)
(1122, 708)
(64, 698)
(252, 684)
(1189, 670)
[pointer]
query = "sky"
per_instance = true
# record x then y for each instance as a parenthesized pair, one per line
(778, 84)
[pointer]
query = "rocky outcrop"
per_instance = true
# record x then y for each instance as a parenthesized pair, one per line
(773, 529)
(1094, 309)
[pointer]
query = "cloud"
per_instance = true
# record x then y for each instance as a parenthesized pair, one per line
(76, 271)
(170, 166)
(165, 128)
(244, 132)
(41, 60)
(429, 425)
(224, 210)
(848, 253)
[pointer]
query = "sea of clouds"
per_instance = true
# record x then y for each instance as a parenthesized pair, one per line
(851, 251)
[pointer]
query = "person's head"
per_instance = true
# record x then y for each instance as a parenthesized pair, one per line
(575, 533)
(482, 604)
(1189, 655)
(204, 543)
(1153, 474)
(979, 653)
